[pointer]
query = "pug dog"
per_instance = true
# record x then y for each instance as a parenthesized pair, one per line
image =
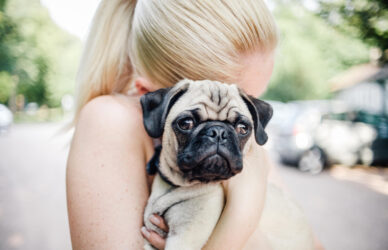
(206, 127)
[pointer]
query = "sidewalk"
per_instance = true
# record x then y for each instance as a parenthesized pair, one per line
(372, 177)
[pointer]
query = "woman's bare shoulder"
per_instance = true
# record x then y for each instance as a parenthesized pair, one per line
(109, 115)
(106, 177)
(111, 124)
(116, 111)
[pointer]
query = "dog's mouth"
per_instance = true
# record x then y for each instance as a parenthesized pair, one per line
(214, 166)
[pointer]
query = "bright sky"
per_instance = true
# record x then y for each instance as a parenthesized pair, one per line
(74, 16)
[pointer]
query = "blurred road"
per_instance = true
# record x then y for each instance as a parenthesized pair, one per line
(32, 188)
(344, 215)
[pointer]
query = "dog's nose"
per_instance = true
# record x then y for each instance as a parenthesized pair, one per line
(217, 134)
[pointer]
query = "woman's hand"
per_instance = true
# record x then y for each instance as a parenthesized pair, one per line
(152, 237)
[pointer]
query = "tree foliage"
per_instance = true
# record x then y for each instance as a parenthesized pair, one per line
(37, 89)
(23, 68)
(6, 86)
(7, 35)
(310, 52)
(366, 18)
(37, 58)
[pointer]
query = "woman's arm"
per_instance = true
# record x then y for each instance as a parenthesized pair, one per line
(245, 196)
(106, 180)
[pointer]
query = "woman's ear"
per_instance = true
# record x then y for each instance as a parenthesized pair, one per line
(144, 86)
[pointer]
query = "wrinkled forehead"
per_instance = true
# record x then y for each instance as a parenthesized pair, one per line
(212, 101)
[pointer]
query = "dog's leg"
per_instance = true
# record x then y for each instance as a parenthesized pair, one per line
(191, 222)
(159, 188)
(162, 199)
(191, 213)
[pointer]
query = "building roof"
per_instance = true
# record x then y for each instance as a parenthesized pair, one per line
(357, 74)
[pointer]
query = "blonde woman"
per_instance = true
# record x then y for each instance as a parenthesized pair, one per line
(139, 46)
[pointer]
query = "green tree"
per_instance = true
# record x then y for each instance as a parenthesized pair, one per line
(8, 36)
(23, 69)
(37, 58)
(310, 53)
(6, 86)
(60, 50)
(366, 18)
(37, 89)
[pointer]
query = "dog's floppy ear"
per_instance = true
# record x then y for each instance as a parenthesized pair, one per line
(156, 106)
(261, 114)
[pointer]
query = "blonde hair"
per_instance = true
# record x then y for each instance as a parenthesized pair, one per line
(168, 40)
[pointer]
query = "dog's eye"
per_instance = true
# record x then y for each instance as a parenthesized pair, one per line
(242, 129)
(186, 123)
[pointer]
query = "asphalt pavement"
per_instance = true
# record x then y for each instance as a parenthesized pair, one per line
(345, 215)
(32, 188)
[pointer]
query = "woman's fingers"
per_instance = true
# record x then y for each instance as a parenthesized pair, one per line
(155, 239)
(159, 222)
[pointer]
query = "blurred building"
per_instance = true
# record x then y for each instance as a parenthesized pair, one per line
(364, 89)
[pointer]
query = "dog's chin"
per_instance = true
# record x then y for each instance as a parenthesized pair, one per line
(211, 169)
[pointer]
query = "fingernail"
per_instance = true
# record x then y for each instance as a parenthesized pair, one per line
(145, 232)
(155, 220)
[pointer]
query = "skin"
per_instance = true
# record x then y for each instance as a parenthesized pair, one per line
(107, 186)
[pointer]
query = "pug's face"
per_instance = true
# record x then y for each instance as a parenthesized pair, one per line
(206, 128)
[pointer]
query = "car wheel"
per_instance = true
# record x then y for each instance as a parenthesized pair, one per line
(312, 161)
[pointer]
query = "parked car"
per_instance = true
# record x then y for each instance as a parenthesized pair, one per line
(6, 118)
(303, 136)
(379, 146)
(345, 142)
